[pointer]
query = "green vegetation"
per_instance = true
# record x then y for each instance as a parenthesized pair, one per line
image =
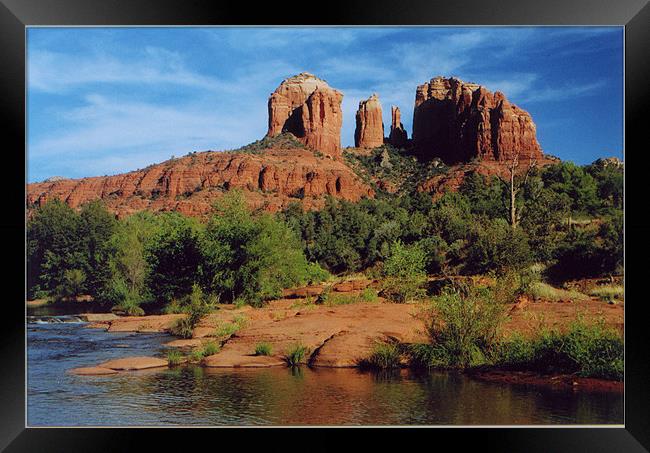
(296, 354)
(463, 325)
(608, 292)
(587, 349)
(263, 349)
(544, 291)
(404, 273)
(174, 357)
(285, 140)
(387, 163)
(238, 256)
(384, 355)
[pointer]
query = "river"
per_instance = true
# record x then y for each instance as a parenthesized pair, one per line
(274, 396)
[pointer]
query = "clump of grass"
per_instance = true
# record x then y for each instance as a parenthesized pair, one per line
(541, 290)
(307, 303)
(263, 349)
(587, 349)
(174, 357)
(183, 328)
(384, 355)
(608, 292)
(463, 325)
(210, 348)
(196, 309)
(369, 295)
(296, 354)
(225, 330)
(335, 299)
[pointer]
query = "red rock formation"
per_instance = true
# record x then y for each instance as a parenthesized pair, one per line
(270, 180)
(397, 136)
(458, 121)
(369, 132)
(310, 109)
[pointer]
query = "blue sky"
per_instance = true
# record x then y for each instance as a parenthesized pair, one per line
(108, 100)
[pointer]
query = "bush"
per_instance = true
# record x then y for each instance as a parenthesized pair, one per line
(385, 355)
(463, 325)
(296, 354)
(263, 349)
(496, 246)
(588, 349)
(72, 285)
(404, 275)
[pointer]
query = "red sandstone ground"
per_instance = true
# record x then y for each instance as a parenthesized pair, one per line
(342, 335)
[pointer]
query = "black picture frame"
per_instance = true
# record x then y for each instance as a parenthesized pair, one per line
(15, 15)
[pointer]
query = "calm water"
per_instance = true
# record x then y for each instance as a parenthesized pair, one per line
(276, 396)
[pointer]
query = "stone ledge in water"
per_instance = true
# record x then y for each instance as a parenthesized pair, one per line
(228, 359)
(98, 317)
(134, 363)
(92, 371)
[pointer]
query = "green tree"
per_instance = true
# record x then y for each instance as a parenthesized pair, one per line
(96, 227)
(495, 246)
(53, 246)
(173, 255)
(404, 273)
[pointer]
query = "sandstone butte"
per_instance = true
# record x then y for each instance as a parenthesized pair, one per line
(369, 132)
(397, 137)
(461, 123)
(310, 109)
(458, 121)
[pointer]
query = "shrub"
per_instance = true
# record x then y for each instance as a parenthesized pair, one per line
(588, 349)
(384, 355)
(496, 246)
(174, 357)
(263, 349)
(404, 273)
(464, 324)
(295, 355)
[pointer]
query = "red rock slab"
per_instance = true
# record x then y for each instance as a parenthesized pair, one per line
(156, 323)
(305, 291)
(185, 343)
(232, 359)
(98, 317)
(92, 371)
(134, 363)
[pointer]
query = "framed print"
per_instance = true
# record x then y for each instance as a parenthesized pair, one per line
(337, 217)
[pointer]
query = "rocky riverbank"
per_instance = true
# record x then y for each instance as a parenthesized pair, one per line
(335, 335)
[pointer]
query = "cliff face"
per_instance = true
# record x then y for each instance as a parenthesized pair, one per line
(459, 121)
(369, 132)
(270, 180)
(397, 137)
(310, 109)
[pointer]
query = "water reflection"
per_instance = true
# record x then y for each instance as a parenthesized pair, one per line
(280, 396)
